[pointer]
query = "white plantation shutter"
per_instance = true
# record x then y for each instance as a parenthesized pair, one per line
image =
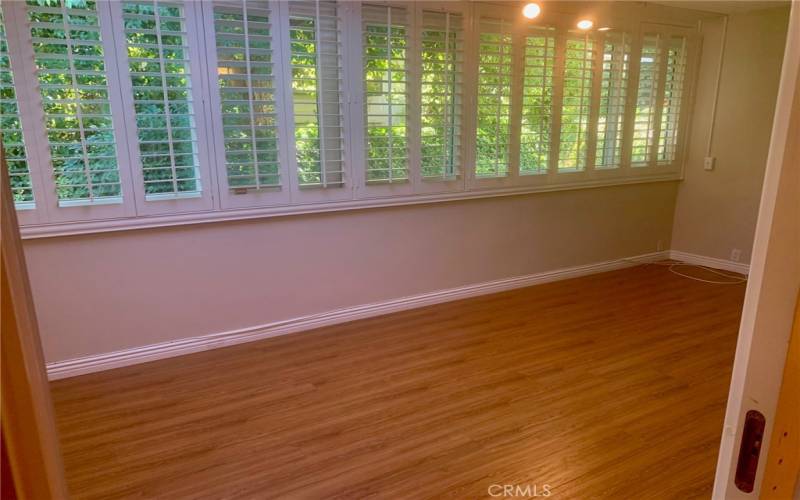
(578, 71)
(317, 103)
(495, 67)
(613, 94)
(385, 48)
(159, 68)
(442, 61)
(247, 103)
(644, 122)
(286, 99)
(537, 100)
(16, 156)
(674, 84)
(68, 53)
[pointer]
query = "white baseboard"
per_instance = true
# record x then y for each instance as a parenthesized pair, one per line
(701, 260)
(152, 352)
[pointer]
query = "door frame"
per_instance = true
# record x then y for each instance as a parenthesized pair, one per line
(30, 446)
(774, 280)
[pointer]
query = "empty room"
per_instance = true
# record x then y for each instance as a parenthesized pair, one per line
(318, 249)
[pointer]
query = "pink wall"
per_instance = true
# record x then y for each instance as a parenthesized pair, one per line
(107, 292)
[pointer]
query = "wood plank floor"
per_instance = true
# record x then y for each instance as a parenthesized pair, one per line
(606, 386)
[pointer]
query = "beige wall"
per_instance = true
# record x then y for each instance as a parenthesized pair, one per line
(105, 292)
(716, 211)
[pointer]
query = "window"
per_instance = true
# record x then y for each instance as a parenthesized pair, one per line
(537, 101)
(576, 101)
(386, 92)
(246, 80)
(673, 95)
(440, 90)
(18, 173)
(613, 92)
(314, 36)
(70, 65)
(158, 65)
(646, 100)
(184, 111)
(494, 97)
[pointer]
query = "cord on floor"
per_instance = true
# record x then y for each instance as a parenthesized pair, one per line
(734, 279)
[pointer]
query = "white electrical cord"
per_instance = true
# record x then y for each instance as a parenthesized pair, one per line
(736, 279)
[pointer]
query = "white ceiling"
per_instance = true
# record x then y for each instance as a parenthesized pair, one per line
(723, 7)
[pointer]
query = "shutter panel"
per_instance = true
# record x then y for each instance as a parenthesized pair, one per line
(673, 96)
(495, 66)
(70, 66)
(16, 157)
(537, 100)
(158, 64)
(646, 100)
(246, 81)
(385, 32)
(316, 65)
(613, 90)
(442, 60)
(576, 102)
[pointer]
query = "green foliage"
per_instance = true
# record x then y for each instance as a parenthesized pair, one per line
(11, 129)
(575, 103)
(159, 71)
(74, 90)
(246, 87)
(440, 116)
(537, 101)
(494, 104)
(385, 77)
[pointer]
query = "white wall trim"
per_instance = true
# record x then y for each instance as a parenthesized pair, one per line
(33, 231)
(702, 260)
(152, 352)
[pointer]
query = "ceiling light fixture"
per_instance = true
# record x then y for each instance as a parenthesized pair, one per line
(585, 24)
(604, 28)
(531, 10)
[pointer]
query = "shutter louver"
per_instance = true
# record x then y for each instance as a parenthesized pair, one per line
(18, 173)
(70, 66)
(386, 92)
(495, 51)
(577, 96)
(537, 100)
(440, 94)
(646, 100)
(613, 92)
(245, 75)
(316, 62)
(158, 64)
(673, 96)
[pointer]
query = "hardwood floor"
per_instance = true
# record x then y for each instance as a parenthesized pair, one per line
(606, 386)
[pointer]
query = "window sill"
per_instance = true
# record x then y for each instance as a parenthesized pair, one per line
(34, 231)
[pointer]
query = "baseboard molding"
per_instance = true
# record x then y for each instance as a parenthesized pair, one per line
(702, 260)
(136, 355)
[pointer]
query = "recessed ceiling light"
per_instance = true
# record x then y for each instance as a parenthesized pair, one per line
(585, 24)
(531, 10)
(604, 28)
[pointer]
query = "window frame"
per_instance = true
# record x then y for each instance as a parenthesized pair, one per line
(217, 202)
(198, 68)
(20, 42)
(458, 181)
(252, 198)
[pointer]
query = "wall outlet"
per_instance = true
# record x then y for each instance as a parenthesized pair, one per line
(659, 246)
(708, 162)
(736, 255)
